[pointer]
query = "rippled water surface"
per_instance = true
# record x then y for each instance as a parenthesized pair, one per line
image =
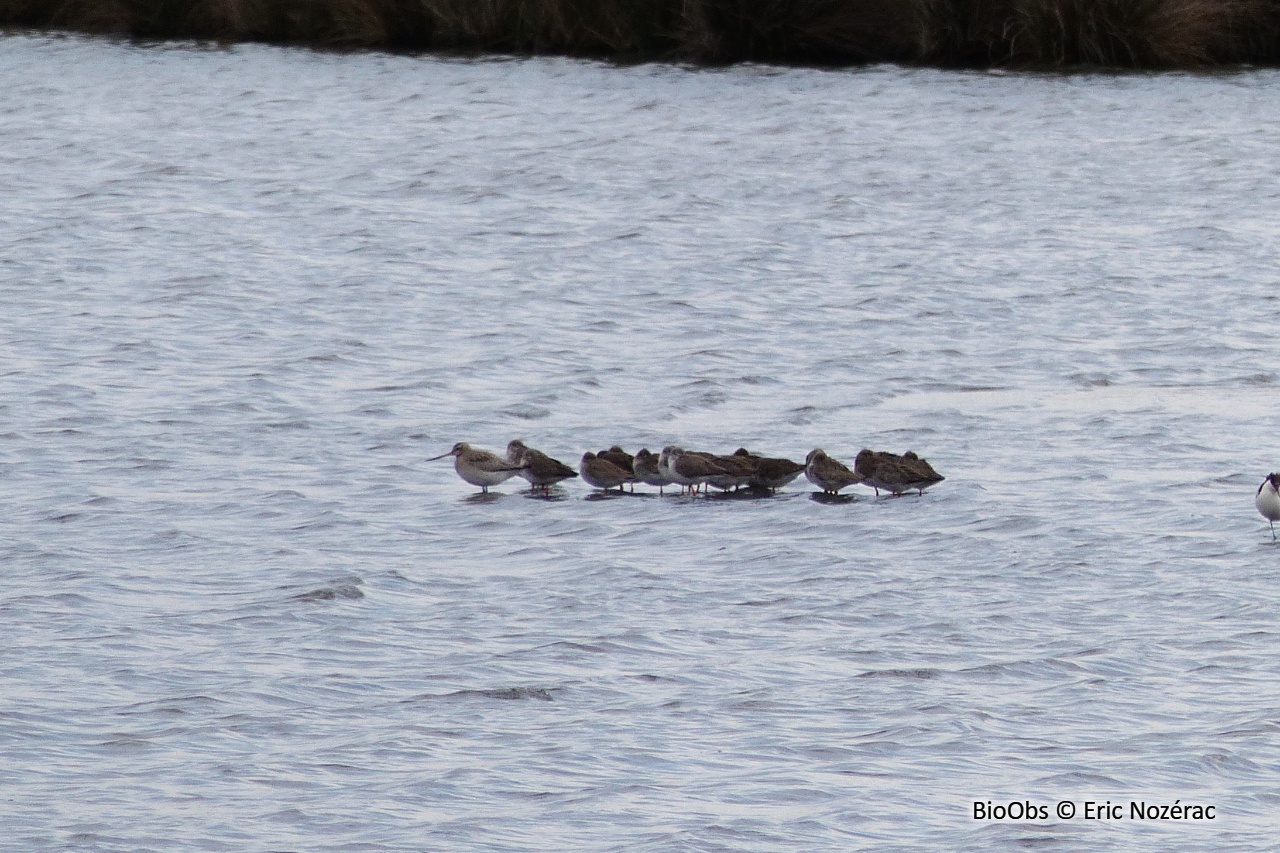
(248, 292)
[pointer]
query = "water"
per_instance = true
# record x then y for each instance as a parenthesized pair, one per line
(248, 292)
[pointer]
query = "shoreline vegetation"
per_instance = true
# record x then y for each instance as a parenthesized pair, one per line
(1032, 34)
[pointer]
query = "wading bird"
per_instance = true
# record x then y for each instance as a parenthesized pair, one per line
(1268, 500)
(771, 474)
(480, 467)
(602, 473)
(538, 468)
(828, 474)
(645, 466)
(894, 473)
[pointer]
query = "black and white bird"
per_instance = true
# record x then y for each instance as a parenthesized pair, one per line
(1268, 500)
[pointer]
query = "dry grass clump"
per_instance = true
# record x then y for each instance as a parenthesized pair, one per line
(603, 27)
(815, 31)
(1018, 33)
(1109, 33)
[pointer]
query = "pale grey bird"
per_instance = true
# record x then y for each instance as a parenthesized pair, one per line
(646, 469)
(480, 467)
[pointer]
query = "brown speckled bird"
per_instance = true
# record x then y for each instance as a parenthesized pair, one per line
(771, 473)
(894, 473)
(602, 473)
(828, 474)
(539, 469)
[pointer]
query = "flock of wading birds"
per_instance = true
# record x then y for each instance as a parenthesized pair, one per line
(693, 471)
